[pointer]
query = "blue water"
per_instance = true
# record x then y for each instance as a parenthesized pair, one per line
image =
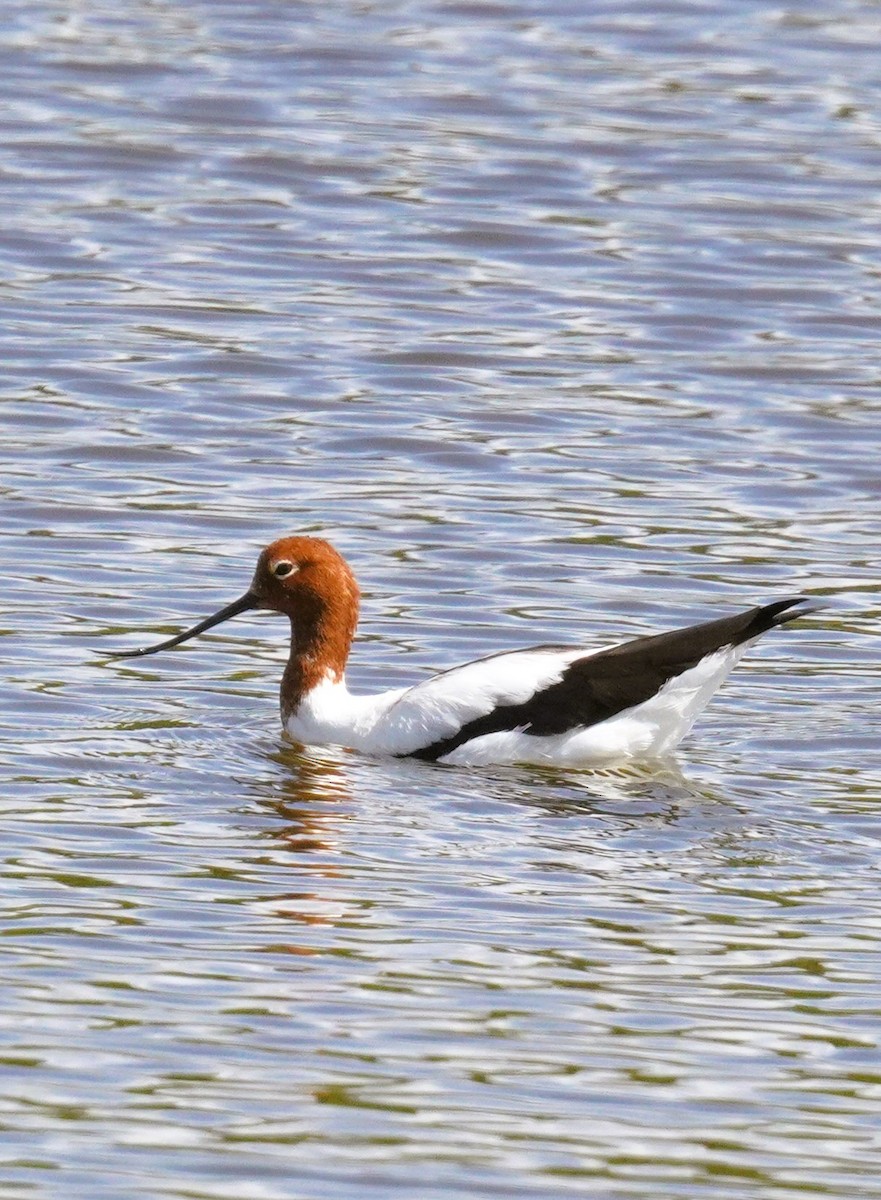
(561, 322)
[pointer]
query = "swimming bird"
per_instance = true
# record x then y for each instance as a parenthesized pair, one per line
(557, 705)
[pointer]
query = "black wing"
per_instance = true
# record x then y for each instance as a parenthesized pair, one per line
(598, 686)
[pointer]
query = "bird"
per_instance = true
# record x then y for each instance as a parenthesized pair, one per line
(551, 705)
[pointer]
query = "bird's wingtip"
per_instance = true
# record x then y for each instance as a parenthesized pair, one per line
(798, 606)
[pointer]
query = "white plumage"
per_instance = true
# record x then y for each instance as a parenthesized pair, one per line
(402, 721)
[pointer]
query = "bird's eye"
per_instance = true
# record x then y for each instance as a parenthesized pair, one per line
(283, 568)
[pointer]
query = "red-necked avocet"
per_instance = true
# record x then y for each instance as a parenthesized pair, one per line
(553, 705)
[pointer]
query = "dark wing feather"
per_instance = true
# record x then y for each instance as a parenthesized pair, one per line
(598, 686)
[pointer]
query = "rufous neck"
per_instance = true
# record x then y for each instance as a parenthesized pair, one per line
(320, 644)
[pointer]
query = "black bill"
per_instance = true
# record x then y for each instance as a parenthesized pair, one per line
(249, 600)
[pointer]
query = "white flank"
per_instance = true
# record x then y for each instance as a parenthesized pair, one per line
(407, 719)
(404, 720)
(648, 730)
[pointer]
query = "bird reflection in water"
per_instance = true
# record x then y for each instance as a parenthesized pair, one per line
(310, 792)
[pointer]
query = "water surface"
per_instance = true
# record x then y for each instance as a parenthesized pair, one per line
(561, 322)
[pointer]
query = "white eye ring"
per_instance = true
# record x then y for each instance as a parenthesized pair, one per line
(283, 569)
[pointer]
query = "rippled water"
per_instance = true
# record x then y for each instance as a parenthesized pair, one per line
(560, 320)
